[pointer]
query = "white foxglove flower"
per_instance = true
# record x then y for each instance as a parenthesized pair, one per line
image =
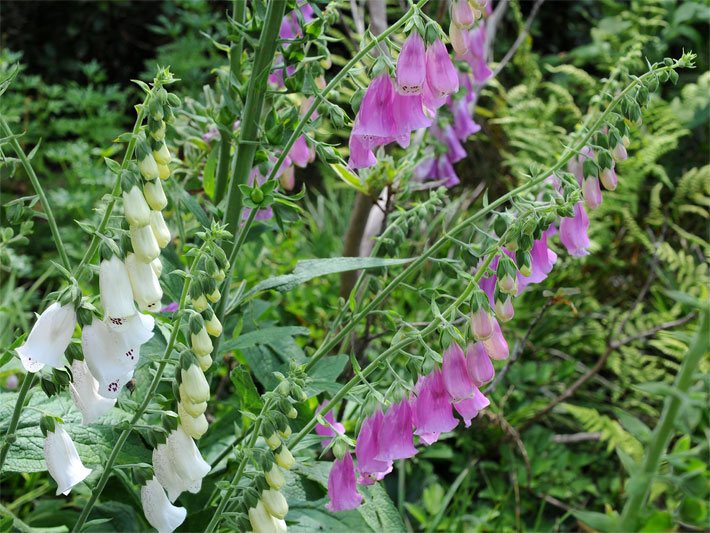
(195, 384)
(148, 167)
(191, 408)
(109, 358)
(49, 338)
(275, 503)
(160, 228)
(144, 244)
(138, 330)
(63, 461)
(146, 287)
(162, 156)
(163, 172)
(154, 195)
(201, 343)
(160, 513)
(178, 464)
(194, 426)
(116, 292)
(84, 391)
(205, 362)
(135, 208)
(280, 525)
(157, 266)
(260, 519)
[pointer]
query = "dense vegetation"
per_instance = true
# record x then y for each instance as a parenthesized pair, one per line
(595, 349)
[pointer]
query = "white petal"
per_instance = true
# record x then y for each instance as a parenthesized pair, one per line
(49, 338)
(145, 284)
(85, 391)
(110, 360)
(135, 208)
(116, 292)
(166, 474)
(144, 244)
(138, 330)
(159, 512)
(186, 458)
(160, 228)
(63, 462)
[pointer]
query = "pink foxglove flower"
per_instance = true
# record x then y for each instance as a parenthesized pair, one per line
(447, 136)
(573, 232)
(469, 408)
(496, 347)
(462, 14)
(432, 412)
(342, 489)
(408, 114)
(49, 338)
(328, 431)
(482, 324)
(431, 101)
(445, 171)
(609, 178)
(464, 125)
(367, 448)
(504, 307)
(476, 56)
(479, 365)
(441, 75)
(375, 120)
(300, 153)
(411, 65)
(395, 437)
(619, 152)
(543, 260)
(458, 383)
(159, 512)
(63, 461)
(84, 391)
(592, 192)
(360, 155)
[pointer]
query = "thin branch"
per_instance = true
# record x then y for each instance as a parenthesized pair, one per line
(526, 29)
(651, 332)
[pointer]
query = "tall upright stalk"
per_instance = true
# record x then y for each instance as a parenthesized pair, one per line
(640, 483)
(15, 419)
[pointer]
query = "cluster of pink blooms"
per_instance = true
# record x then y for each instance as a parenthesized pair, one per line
(426, 413)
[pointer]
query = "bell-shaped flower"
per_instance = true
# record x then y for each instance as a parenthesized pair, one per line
(408, 115)
(411, 65)
(481, 324)
(138, 329)
(178, 464)
(476, 55)
(573, 232)
(334, 428)
(201, 343)
(275, 503)
(361, 155)
(284, 458)
(543, 259)
(48, 339)
(367, 450)
(496, 347)
(469, 408)
(196, 386)
(609, 178)
(456, 379)
(432, 100)
(458, 39)
(342, 489)
(109, 358)
(260, 519)
(300, 152)
(84, 391)
(194, 426)
(158, 511)
(135, 208)
(154, 196)
(205, 362)
(432, 412)
(488, 285)
(162, 154)
(274, 477)
(116, 292)
(441, 75)
(287, 179)
(479, 365)
(145, 246)
(619, 152)
(464, 125)
(160, 229)
(462, 14)
(213, 326)
(592, 192)
(504, 307)
(374, 123)
(445, 171)
(447, 136)
(146, 287)
(148, 167)
(395, 437)
(63, 461)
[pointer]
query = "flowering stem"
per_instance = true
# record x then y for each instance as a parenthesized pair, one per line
(19, 404)
(640, 483)
(38, 189)
(108, 466)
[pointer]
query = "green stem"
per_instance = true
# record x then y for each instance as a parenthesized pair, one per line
(40, 192)
(19, 404)
(108, 466)
(640, 484)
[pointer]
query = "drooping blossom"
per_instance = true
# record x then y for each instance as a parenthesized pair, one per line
(464, 125)
(479, 365)
(155, 195)
(542, 262)
(261, 520)
(84, 390)
(432, 413)
(444, 170)
(619, 152)
(592, 193)
(160, 229)
(408, 114)
(481, 324)
(374, 122)
(63, 461)
(158, 511)
(476, 55)
(609, 178)
(496, 347)
(144, 282)
(462, 14)
(178, 464)
(275, 503)
(458, 383)
(573, 232)
(115, 291)
(469, 408)
(332, 430)
(301, 153)
(446, 135)
(411, 65)
(342, 489)
(441, 75)
(367, 450)
(395, 437)
(49, 338)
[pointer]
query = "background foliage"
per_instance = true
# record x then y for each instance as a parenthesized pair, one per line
(616, 309)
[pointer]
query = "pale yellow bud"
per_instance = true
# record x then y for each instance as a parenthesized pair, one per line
(205, 362)
(214, 296)
(284, 458)
(273, 441)
(214, 326)
(200, 304)
(275, 477)
(148, 167)
(162, 156)
(160, 228)
(144, 244)
(163, 172)
(154, 195)
(275, 503)
(201, 343)
(196, 386)
(193, 426)
(260, 519)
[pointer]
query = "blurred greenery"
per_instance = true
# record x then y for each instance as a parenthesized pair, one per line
(512, 470)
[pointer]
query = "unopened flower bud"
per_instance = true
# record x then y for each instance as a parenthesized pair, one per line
(144, 244)
(154, 196)
(458, 39)
(275, 503)
(148, 167)
(135, 208)
(195, 384)
(163, 172)
(213, 326)
(157, 266)
(156, 129)
(260, 519)
(340, 448)
(508, 284)
(192, 409)
(284, 458)
(609, 179)
(205, 362)
(195, 427)
(159, 228)
(162, 154)
(619, 152)
(274, 477)
(481, 324)
(504, 308)
(462, 14)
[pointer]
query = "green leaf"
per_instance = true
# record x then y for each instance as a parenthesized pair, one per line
(112, 165)
(313, 268)
(208, 174)
(193, 206)
(658, 522)
(272, 335)
(245, 389)
(325, 373)
(349, 177)
(598, 521)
